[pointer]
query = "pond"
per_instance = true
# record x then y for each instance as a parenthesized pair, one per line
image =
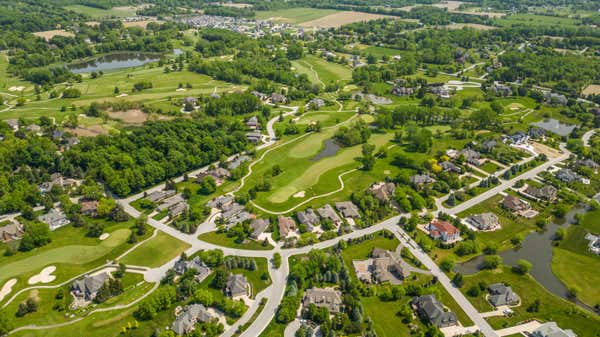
(113, 62)
(555, 126)
(331, 149)
(537, 249)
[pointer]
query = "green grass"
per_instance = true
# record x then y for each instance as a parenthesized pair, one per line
(577, 267)
(383, 314)
(327, 71)
(274, 329)
(221, 239)
(537, 20)
(156, 252)
(590, 221)
(255, 276)
(97, 13)
(489, 167)
(295, 15)
(566, 314)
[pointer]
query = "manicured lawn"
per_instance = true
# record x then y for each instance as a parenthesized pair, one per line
(221, 239)
(274, 329)
(327, 71)
(363, 250)
(255, 277)
(383, 314)
(156, 252)
(577, 267)
(489, 167)
(590, 221)
(552, 308)
(294, 15)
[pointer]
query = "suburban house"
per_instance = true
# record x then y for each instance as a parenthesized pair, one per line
(308, 218)
(219, 174)
(178, 209)
(443, 231)
(157, 196)
(323, 298)
(347, 209)
(551, 329)
(11, 232)
(489, 145)
(234, 214)
(188, 317)
(515, 204)
(471, 156)
(383, 191)
(500, 89)
(316, 103)
(260, 95)
(258, 227)
(252, 123)
(518, 138)
(421, 179)
(501, 294)
(546, 192)
(440, 90)
(13, 123)
(484, 221)
(87, 287)
(287, 226)
(428, 307)
(387, 266)
(403, 91)
(536, 133)
(568, 176)
(196, 264)
(89, 208)
(588, 163)
(278, 98)
(594, 245)
(171, 201)
(254, 137)
(449, 166)
(555, 98)
(220, 202)
(328, 213)
(34, 128)
(237, 286)
(56, 179)
(239, 160)
(190, 100)
(55, 219)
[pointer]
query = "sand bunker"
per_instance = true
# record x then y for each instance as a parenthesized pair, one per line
(7, 288)
(45, 276)
(19, 88)
(180, 89)
(104, 236)
(300, 194)
(123, 95)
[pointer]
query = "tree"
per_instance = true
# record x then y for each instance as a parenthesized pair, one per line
(368, 159)
(523, 267)
(37, 234)
(295, 51)
(458, 280)
(491, 262)
(105, 206)
(208, 185)
(447, 264)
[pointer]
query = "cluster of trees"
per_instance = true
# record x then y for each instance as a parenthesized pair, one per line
(159, 301)
(356, 134)
(154, 152)
(232, 104)
(216, 42)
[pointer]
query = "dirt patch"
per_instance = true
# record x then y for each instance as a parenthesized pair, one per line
(592, 89)
(469, 25)
(143, 23)
(548, 151)
(88, 131)
(49, 34)
(342, 18)
(133, 116)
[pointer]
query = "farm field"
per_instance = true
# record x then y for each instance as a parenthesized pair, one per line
(342, 18)
(294, 15)
(98, 13)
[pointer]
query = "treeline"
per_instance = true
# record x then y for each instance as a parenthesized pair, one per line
(216, 42)
(144, 156)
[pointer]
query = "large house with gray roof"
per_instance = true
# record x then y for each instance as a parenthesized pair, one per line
(11, 232)
(551, 329)
(237, 286)
(347, 209)
(323, 298)
(484, 221)
(55, 219)
(328, 213)
(87, 287)
(188, 317)
(308, 218)
(500, 294)
(428, 307)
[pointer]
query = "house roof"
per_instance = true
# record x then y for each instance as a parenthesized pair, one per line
(286, 225)
(444, 227)
(485, 220)
(348, 209)
(259, 226)
(308, 217)
(514, 203)
(237, 284)
(328, 298)
(551, 329)
(434, 310)
(327, 212)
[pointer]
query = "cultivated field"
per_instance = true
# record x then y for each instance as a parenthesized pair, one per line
(294, 15)
(342, 18)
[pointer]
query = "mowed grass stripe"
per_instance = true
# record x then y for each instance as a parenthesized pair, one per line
(75, 254)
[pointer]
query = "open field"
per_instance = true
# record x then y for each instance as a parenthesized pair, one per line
(49, 34)
(154, 253)
(552, 308)
(320, 71)
(342, 18)
(536, 20)
(468, 25)
(223, 240)
(294, 15)
(592, 89)
(577, 267)
(97, 13)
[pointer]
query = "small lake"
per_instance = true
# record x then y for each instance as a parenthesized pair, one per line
(537, 249)
(331, 149)
(555, 126)
(113, 62)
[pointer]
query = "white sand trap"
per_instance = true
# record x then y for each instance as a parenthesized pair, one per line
(300, 194)
(123, 95)
(7, 288)
(104, 236)
(45, 276)
(13, 88)
(180, 89)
